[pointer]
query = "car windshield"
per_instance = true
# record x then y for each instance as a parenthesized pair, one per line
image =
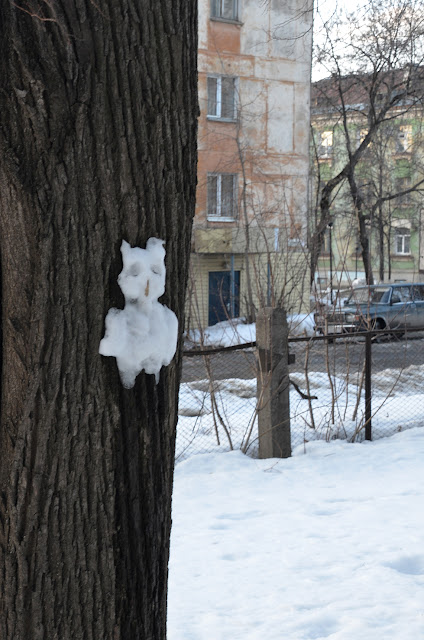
(370, 295)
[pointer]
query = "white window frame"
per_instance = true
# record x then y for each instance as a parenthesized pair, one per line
(217, 115)
(402, 234)
(218, 216)
(404, 139)
(218, 10)
(325, 149)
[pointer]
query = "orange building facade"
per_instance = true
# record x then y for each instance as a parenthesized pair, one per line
(249, 236)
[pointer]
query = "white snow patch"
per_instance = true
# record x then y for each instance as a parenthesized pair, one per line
(301, 324)
(396, 406)
(233, 332)
(143, 335)
(323, 545)
(224, 334)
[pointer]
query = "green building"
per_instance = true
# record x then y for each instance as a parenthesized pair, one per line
(387, 178)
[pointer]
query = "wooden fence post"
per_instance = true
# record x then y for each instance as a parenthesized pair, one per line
(273, 384)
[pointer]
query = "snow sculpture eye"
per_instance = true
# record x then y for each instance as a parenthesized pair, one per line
(143, 335)
(134, 269)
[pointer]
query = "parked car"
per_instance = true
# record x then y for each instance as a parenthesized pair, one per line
(382, 306)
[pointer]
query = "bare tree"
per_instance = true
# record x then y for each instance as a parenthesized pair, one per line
(389, 184)
(98, 107)
(375, 60)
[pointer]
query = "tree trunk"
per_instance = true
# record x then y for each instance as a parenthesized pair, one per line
(317, 236)
(380, 215)
(363, 236)
(381, 252)
(365, 248)
(250, 307)
(98, 107)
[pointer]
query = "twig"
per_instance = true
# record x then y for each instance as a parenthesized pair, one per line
(304, 396)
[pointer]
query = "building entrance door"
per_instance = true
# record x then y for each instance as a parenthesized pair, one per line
(224, 299)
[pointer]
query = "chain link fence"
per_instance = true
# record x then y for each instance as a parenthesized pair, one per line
(217, 403)
(336, 391)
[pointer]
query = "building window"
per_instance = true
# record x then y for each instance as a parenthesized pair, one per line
(325, 149)
(418, 292)
(402, 184)
(222, 195)
(224, 9)
(221, 97)
(404, 139)
(402, 241)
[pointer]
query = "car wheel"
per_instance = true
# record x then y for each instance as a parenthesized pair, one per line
(378, 325)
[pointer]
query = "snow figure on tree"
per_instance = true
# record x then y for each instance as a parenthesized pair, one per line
(143, 335)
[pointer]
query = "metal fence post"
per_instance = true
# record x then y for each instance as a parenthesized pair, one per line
(273, 384)
(368, 386)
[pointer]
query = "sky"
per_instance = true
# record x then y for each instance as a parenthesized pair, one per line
(324, 10)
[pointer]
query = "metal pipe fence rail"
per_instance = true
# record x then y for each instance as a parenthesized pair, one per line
(366, 385)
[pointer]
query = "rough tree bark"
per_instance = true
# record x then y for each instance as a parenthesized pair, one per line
(98, 106)
(358, 204)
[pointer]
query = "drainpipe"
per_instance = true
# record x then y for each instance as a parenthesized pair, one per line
(232, 288)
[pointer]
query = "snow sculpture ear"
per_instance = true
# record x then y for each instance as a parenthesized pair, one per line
(125, 248)
(154, 244)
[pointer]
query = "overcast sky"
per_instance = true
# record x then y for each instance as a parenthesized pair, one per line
(324, 10)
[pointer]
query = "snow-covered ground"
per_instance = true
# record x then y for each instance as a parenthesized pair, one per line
(325, 545)
(396, 405)
(232, 332)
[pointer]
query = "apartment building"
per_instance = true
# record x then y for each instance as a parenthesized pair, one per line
(388, 178)
(249, 236)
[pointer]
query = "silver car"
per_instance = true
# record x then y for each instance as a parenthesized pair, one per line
(382, 306)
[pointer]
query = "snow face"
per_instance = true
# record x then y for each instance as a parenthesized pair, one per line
(143, 335)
